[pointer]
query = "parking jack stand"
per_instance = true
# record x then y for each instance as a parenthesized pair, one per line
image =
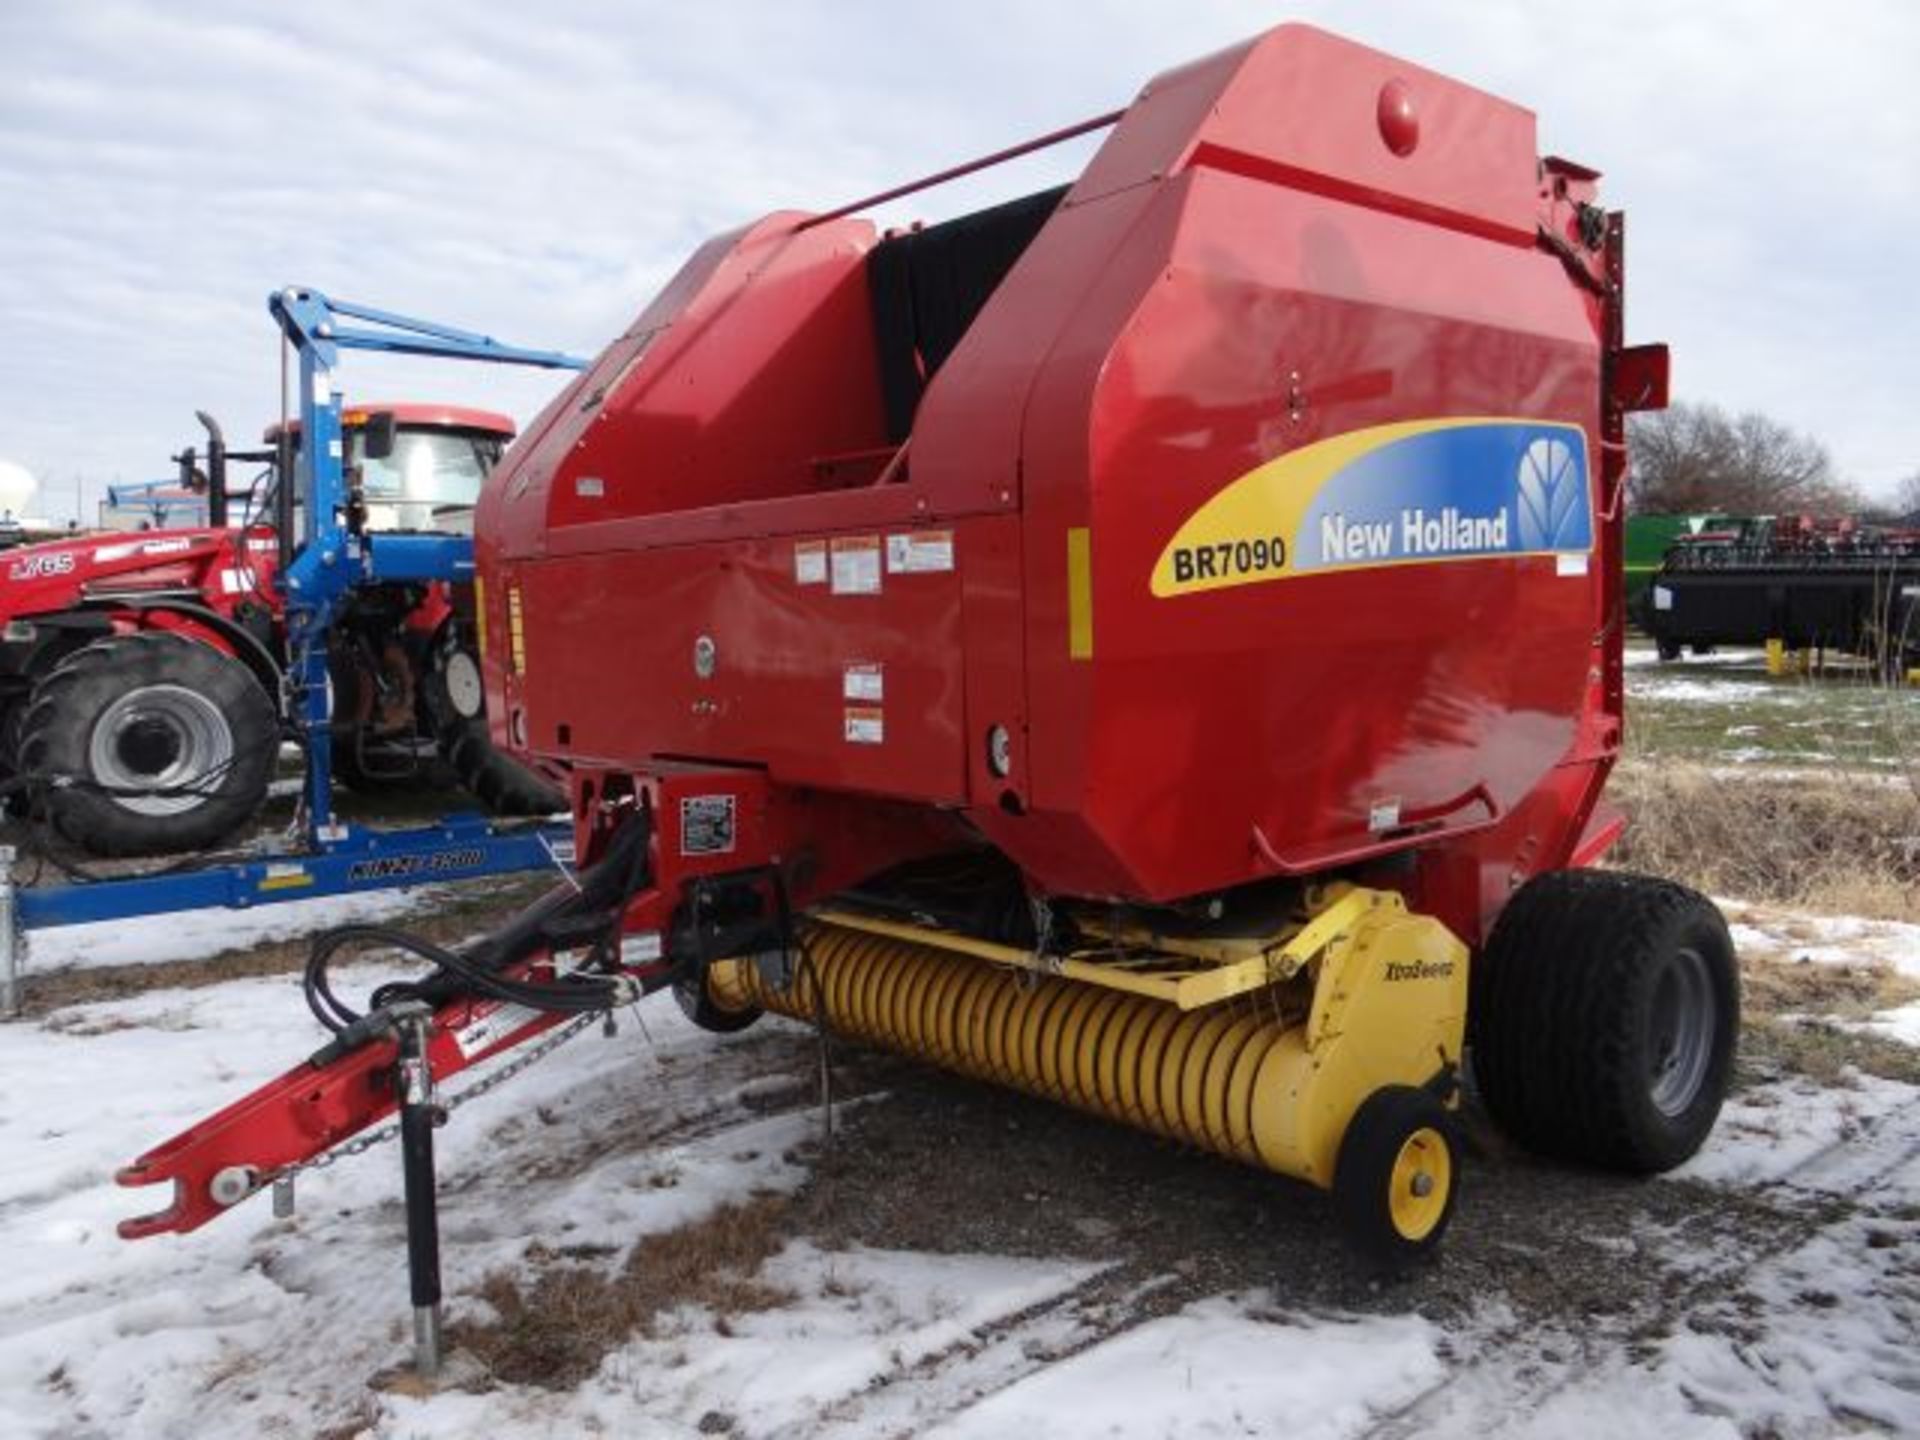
(418, 1116)
(12, 940)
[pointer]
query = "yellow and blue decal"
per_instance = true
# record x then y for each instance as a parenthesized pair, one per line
(1411, 493)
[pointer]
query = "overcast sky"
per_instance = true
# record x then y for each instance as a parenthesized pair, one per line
(535, 170)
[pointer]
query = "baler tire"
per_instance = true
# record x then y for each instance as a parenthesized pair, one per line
(209, 698)
(1400, 1139)
(1580, 1019)
(690, 994)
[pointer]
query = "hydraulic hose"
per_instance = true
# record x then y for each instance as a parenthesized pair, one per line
(589, 913)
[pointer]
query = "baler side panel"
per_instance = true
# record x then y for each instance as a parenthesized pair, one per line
(1074, 284)
(858, 692)
(1198, 717)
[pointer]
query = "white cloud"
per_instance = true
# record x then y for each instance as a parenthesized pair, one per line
(536, 171)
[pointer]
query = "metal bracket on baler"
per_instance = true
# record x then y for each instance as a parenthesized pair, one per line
(1188, 972)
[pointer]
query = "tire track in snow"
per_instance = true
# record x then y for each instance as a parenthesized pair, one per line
(1511, 1371)
(912, 1399)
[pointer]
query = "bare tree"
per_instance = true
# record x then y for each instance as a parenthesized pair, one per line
(1906, 497)
(1697, 459)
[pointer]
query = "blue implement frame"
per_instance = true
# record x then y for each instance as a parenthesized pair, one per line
(329, 561)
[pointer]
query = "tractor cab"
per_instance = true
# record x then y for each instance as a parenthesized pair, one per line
(417, 467)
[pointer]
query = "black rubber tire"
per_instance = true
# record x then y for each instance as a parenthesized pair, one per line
(14, 805)
(57, 729)
(1669, 650)
(501, 784)
(1564, 1012)
(690, 994)
(1363, 1175)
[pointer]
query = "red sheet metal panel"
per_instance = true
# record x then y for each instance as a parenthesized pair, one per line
(1274, 480)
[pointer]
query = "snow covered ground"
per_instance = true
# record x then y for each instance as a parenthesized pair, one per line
(207, 932)
(1789, 937)
(1785, 1300)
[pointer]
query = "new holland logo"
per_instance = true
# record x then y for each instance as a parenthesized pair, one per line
(1416, 492)
(1551, 490)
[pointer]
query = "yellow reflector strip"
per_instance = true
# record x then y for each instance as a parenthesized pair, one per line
(516, 631)
(1080, 593)
(480, 619)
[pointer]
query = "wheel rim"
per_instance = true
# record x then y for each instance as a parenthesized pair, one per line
(465, 691)
(1422, 1180)
(1681, 1026)
(159, 737)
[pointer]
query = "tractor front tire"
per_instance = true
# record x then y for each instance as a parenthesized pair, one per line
(457, 706)
(1603, 1021)
(501, 784)
(148, 744)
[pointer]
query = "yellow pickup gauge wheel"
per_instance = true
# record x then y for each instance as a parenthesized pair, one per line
(1422, 1181)
(1398, 1175)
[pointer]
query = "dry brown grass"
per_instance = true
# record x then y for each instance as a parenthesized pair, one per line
(1795, 1014)
(1772, 986)
(1840, 843)
(554, 1330)
(1822, 1051)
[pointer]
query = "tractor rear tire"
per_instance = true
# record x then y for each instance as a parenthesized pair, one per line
(1604, 1015)
(150, 711)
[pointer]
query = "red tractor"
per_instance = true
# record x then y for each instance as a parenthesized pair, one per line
(142, 692)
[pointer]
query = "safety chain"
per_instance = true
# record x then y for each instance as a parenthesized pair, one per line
(362, 1143)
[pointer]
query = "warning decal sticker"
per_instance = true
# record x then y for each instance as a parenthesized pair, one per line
(706, 824)
(810, 562)
(490, 1029)
(920, 552)
(864, 682)
(866, 725)
(856, 565)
